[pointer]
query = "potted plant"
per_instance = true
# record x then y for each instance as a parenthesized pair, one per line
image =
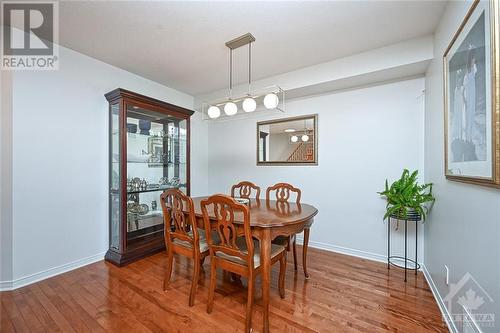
(406, 199)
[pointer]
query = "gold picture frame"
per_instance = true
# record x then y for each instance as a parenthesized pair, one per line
(472, 156)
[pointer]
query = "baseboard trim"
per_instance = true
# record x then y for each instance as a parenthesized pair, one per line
(345, 250)
(5, 285)
(439, 301)
(26, 280)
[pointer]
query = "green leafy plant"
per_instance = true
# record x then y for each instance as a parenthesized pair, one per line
(406, 195)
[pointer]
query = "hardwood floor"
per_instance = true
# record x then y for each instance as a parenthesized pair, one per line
(344, 294)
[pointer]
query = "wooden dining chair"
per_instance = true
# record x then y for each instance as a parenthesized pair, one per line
(283, 192)
(239, 255)
(182, 235)
(244, 189)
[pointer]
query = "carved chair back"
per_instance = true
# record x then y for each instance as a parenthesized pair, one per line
(219, 213)
(283, 191)
(177, 224)
(244, 190)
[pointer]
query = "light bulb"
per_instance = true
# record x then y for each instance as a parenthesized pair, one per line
(230, 109)
(294, 138)
(213, 112)
(271, 101)
(305, 138)
(249, 104)
(289, 130)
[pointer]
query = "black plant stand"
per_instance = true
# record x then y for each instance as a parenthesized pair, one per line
(411, 217)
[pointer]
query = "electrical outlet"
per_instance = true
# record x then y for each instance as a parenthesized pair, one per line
(446, 275)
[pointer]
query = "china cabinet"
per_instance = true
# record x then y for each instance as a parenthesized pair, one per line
(148, 153)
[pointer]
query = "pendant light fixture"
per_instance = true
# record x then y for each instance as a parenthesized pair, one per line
(271, 98)
(213, 112)
(249, 104)
(271, 101)
(230, 108)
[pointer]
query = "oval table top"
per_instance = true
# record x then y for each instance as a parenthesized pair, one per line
(268, 214)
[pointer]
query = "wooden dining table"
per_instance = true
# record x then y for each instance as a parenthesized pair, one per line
(269, 219)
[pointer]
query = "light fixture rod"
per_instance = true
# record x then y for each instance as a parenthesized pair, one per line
(249, 66)
(230, 73)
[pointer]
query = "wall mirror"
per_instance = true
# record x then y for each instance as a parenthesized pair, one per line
(288, 141)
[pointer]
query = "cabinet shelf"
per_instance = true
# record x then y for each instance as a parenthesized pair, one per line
(161, 188)
(158, 163)
(180, 138)
(169, 137)
(150, 214)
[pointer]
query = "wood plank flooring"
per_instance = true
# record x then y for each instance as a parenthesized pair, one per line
(344, 294)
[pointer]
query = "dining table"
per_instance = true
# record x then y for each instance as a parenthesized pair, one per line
(268, 220)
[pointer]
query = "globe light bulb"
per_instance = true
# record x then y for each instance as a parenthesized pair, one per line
(271, 101)
(230, 109)
(294, 138)
(305, 138)
(213, 112)
(249, 104)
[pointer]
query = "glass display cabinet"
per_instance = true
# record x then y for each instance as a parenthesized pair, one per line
(148, 153)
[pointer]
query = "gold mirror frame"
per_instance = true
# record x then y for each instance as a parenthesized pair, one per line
(283, 120)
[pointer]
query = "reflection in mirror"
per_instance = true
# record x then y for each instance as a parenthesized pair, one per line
(288, 141)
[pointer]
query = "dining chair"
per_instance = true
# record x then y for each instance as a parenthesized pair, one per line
(244, 189)
(236, 251)
(283, 193)
(182, 235)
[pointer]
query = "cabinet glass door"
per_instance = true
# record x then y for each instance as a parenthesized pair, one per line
(156, 160)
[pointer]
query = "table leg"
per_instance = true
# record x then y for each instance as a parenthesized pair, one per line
(265, 259)
(304, 252)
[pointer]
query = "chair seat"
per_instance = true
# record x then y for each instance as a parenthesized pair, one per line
(202, 237)
(242, 245)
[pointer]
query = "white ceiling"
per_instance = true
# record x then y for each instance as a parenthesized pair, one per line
(181, 44)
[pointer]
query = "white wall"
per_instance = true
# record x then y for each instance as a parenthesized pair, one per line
(365, 135)
(5, 177)
(60, 162)
(463, 231)
(199, 155)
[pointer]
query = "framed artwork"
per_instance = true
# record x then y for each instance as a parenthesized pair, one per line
(472, 98)
(156, 151)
